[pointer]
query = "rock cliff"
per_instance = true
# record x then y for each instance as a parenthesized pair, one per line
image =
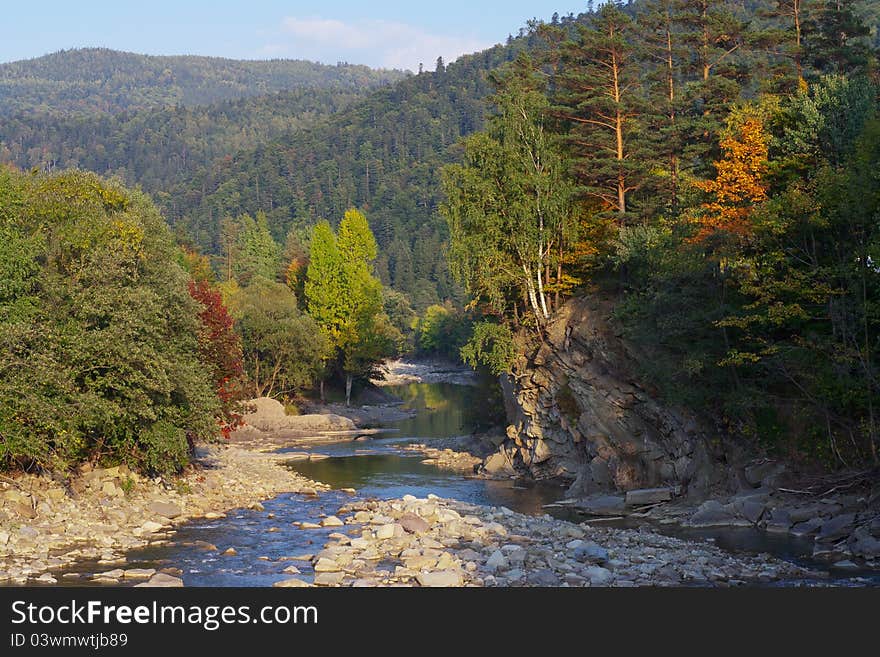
(576, 411)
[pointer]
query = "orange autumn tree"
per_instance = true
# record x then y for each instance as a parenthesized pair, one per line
(740, 179)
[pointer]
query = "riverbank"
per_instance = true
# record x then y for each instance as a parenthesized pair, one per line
(46, 527)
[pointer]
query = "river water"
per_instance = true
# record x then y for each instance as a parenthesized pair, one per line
(266, 542)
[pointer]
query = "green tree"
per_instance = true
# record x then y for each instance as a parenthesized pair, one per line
(837, 39)
(325, 289)
(259, 253)
(509, 205)
(282, 346)
(345, 298)
(366, 336)
(719, 40)
(97, 328)
(600, 97)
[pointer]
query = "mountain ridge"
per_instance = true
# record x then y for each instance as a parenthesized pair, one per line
(85, 81)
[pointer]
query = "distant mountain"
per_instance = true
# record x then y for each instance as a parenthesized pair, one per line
(97, 80)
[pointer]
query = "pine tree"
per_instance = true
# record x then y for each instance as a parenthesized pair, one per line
(793, 15)
(836, 39)
(600, 97)
(259, 253)
(716, 37)
(665, 54)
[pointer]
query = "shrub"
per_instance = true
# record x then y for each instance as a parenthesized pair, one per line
(97, 329)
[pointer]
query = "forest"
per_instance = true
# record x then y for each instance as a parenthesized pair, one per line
(714, 168)
(709, 164)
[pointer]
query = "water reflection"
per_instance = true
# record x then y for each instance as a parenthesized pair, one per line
(445, 409)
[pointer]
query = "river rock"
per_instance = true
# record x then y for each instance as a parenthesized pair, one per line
(864, 544)
(161, 580)
(598, 576)
(413, 524)
(150, 527)
(713, 514)
(497, 561)
(498, 465)
(544, 577)
(269, 415)
(439, 579)
(23, 510)
(807, 528)
(386, 531)
(332, 521)
(750, 509)
(329, 578)
(808, 512)
(836, 527)
(648, 496)
(139, 573)
(292, 583)
(779, 521)
(590, 553)
(325, 565)
(604, 505)
(165, 509)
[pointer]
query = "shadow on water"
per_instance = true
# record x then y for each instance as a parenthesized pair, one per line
(264, 540)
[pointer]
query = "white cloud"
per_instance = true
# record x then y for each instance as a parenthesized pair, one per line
(387, 44)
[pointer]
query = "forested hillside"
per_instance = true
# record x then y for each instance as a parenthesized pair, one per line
(161, 150)
(93, 81)
(380, 153)
(710, 166)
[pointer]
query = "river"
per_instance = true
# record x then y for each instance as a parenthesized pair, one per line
(267, 542)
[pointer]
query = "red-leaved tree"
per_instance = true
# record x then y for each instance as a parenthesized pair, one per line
(220, 349)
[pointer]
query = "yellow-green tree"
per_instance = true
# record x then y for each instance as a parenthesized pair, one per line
(345, 297)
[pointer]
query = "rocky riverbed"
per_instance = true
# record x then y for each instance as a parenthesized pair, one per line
(47, 526)
(441, 543)
(402, 372)
(842, 525)
(113, 527)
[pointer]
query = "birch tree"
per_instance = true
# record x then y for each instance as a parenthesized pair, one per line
(509, 204)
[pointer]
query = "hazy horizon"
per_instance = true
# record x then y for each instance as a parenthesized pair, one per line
(389, 35)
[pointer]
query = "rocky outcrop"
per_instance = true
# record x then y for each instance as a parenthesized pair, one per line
(269, 415)
(576, 411)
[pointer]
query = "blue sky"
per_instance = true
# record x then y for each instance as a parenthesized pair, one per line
(391, 34)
